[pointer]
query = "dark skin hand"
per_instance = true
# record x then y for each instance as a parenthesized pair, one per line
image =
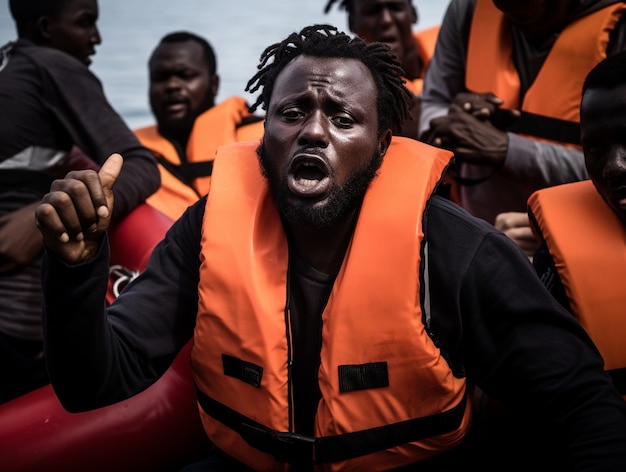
(73, 216)
(467, 130)
(20, 240)
(516, 226)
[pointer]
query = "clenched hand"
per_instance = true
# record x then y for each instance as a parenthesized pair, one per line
(468, 131)
(76, 212)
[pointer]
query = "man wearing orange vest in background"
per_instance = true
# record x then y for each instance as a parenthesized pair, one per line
(494, 59)
(583, 225)
(190, 126)
(391, 22)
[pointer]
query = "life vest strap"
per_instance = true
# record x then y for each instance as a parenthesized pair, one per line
(295, 448)
(249, 120)
(187, 171)
(538, 126)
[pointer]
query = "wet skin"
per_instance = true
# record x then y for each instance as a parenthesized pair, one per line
(181, 87)
(73, 30)
(603, 137)
(321, 149)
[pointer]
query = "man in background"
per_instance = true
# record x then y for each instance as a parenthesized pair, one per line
(189, 124)
(582, 225)
(55, 117)
(503, 93)
(391, 22)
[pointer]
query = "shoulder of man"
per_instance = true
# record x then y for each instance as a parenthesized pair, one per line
(48, 56)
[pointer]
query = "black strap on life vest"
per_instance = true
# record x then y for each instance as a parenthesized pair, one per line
(292, 448)
(187, 171)
(249, 120)
(539, 126)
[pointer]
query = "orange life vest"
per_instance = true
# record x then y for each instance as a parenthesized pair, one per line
(216, 126)
(373, 327)
(425, 40)
(588, 245)
(562, 74)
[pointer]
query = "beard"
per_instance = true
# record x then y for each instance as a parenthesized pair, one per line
(179, 128)
(340, 201)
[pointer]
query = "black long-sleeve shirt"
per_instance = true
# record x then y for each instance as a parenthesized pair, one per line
(490, 314)
(51, 104)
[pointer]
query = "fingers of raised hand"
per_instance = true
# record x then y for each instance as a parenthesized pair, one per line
(70, 209)
(85, 188)
(50, 224)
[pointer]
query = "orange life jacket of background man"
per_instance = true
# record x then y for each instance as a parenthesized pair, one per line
(425, 40)
(556, 91)
(182, 183)
(381, 376)
(588, 245)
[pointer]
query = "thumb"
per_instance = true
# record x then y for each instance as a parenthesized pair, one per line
(110, 171)
(108, 174)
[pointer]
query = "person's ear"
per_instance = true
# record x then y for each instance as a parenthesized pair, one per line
(215, 84)
(414, 14)
(43, 27)
(384, 141)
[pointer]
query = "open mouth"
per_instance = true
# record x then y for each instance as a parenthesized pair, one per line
(390, 40)
(174, 106)
(309, 176)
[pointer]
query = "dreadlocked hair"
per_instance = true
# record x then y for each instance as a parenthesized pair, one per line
(393, 99)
